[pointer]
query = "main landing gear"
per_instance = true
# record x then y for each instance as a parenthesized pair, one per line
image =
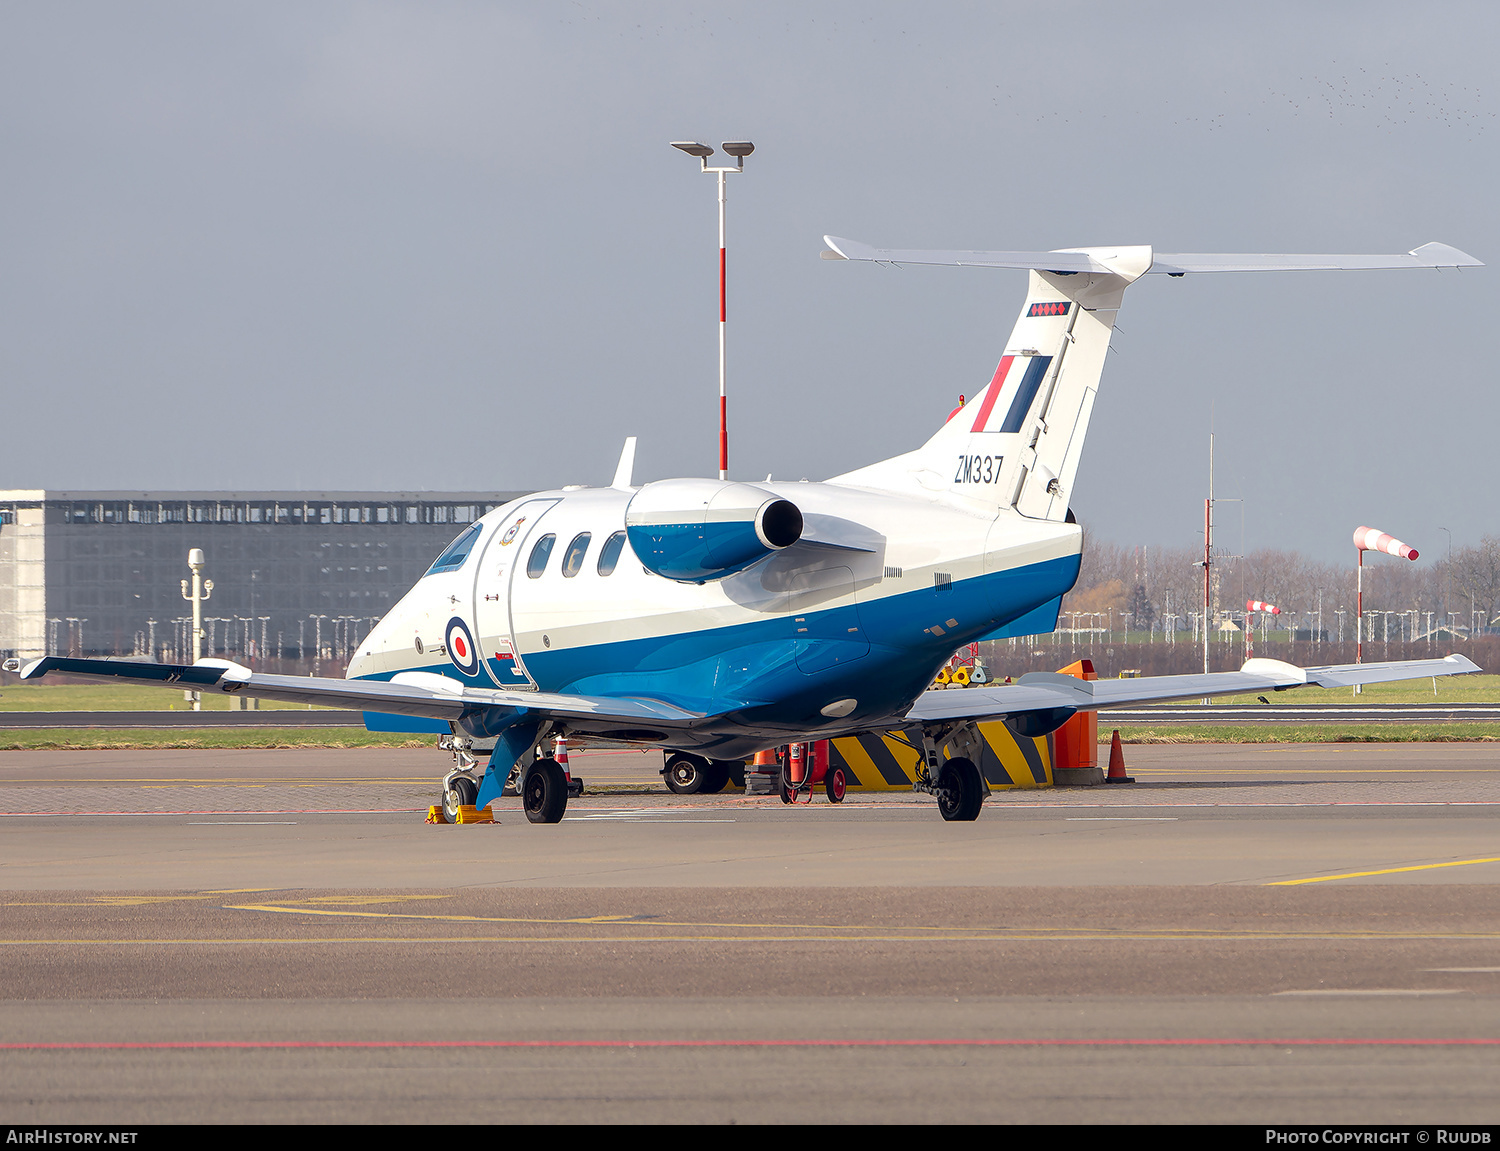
(544, 791)
(693, 775)
(959, 790)
(955, 783)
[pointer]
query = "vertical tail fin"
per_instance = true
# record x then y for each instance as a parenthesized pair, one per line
(1017, 443)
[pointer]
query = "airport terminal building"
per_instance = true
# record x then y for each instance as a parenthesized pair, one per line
(298, 576)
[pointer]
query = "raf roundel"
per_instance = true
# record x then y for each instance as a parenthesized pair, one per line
(461, 647)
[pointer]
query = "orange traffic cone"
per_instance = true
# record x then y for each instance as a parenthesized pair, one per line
(1117, 762)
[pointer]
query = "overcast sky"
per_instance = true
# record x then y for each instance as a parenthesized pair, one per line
(446, 246)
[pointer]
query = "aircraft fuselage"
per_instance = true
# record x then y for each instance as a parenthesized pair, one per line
(838, 632)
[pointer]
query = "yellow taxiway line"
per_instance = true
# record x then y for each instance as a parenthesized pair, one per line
(1382, 871)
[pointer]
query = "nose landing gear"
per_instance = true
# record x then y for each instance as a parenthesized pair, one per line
(460, 791)
(542, 782)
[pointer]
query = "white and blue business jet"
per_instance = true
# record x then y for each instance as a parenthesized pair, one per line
(716, 619)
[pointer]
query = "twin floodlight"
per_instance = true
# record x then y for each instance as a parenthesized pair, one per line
(738, 149)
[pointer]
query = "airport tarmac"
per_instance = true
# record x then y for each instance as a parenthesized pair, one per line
(1266, 934)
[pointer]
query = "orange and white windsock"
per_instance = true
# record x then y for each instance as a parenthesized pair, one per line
(1375, 540)
(1262, 605)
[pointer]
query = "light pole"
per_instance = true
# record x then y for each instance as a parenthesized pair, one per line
(1448, 596)
(202, 589)
(739, 149)
(254, 649)
(318, 644)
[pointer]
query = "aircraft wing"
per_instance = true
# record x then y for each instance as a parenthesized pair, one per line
(425, 694)
(1046, 691)
(1162, 263)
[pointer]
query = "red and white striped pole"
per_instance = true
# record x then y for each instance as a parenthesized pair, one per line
(723, 322)
(738, 149)
(1373, 540)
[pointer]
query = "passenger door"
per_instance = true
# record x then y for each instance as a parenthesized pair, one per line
(503, 555)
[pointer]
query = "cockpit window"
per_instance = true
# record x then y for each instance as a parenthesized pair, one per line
(573, 561)
(537, 564)
(609, 554)
(458, 551)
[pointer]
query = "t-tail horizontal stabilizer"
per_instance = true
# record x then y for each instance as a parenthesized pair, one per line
(1070, 261)
(1018, 442)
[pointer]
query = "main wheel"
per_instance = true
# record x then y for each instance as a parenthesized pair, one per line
(544, 792)
(715, 777)
(737, 772)
(835, 783)
(685, 774)
(461, 792)
(960, 790)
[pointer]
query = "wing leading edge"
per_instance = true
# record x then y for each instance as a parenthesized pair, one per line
(423, 694)
(1043, 690)
(485, 710)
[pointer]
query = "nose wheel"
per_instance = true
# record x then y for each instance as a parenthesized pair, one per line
(460, 792)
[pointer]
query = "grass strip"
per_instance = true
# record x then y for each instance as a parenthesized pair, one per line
(1308, 733)
(137, 739)
(134, 739)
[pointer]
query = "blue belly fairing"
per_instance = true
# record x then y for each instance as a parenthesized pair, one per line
(780, 671)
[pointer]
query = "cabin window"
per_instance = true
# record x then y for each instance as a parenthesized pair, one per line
(537, 564)
(573, 561)
(609, 554)
(458, 551)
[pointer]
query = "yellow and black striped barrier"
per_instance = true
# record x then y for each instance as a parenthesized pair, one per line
(884, 761)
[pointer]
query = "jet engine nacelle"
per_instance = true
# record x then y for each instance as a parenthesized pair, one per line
(698, 530)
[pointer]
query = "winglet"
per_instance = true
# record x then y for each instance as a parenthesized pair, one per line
(1444, 256)
(626, 468)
